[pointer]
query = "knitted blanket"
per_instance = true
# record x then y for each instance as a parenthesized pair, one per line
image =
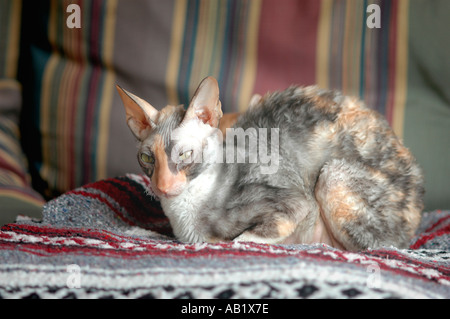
(110, 239)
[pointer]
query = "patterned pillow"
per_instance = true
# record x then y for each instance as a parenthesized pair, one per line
(16, 194)
(73, 125)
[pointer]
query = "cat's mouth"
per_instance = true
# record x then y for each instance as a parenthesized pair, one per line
(153, 191)
(165, 194)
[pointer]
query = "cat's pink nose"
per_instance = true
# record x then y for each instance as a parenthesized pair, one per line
(162, 190)
(165, 191)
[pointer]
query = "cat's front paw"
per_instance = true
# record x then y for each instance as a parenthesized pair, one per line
(248, 236)
(135, 231)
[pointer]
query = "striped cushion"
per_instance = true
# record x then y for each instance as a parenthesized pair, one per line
(16, 194)
(10, 12)
(160, 50)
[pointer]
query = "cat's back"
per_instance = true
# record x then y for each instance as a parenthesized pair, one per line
(318, 125)
(333, 150)
(294, 108)
(318, 120)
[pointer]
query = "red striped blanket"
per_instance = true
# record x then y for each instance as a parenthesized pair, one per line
(111, 240)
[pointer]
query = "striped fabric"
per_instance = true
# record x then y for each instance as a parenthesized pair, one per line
(218, 38)
(366, 62)
(16, 194)
(15, 183)
(90, 232)
(76, 94)
(160, 50)
(260, 46)
(10, 35)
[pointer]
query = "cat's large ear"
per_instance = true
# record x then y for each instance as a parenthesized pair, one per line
(205, 104)
(141, 116)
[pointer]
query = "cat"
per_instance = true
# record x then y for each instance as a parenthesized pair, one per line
(343, 178)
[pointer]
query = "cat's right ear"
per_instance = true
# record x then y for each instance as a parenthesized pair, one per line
(205, 104)
(141, 116)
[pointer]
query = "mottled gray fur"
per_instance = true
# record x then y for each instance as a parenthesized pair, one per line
(339, 162)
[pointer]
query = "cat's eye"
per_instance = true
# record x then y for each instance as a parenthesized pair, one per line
(185, 155)
(147, 158)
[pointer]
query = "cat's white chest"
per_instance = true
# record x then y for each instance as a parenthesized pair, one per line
(185, 210)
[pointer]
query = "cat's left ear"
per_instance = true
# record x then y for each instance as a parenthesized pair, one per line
(141, 116)
(205, 105)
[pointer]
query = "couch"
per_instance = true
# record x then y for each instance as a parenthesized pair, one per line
(63, 130)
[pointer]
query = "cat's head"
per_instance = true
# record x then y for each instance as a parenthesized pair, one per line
(172, 141)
